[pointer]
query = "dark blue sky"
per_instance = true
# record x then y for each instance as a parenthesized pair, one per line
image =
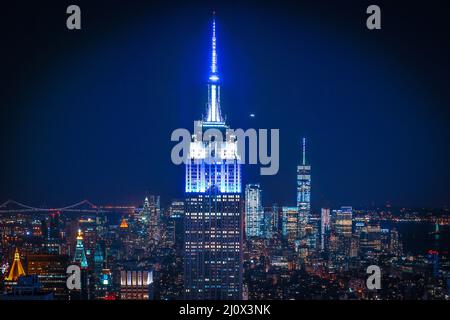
(88, 114)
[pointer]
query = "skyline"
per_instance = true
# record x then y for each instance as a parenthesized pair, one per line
(83, 143)
(210, 227)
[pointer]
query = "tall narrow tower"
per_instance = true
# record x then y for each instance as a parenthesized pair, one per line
(80, 253)
(213, 112)
(80, 259)
(213, 206)
(304, 188)
(254, 213)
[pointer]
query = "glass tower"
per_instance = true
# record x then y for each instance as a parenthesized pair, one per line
(213, 207)
(324, 226)
(290, 223)
(343, 225)
(304, 188)
(254, 213)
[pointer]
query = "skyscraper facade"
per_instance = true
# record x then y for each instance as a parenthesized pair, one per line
(268, 228)
(136, 284)
(213, 214)
(276, 218)
(80, 254)
(342, 228)
(52, 243)
(304, 188)
(151, 216)
(254, 213)
(343, 221)
(371, 237)
(80, 259)
(176, 218)
(290, 223)
(324, 226)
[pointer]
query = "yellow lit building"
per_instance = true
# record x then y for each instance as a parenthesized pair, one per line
(16, 269)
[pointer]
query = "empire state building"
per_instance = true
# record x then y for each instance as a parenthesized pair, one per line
(213, 218)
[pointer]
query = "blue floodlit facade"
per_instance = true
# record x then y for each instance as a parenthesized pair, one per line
(213, 205)
(213, 163)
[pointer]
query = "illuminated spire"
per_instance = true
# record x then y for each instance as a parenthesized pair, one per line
(16, 269)
(79, 235)
(214, 113)
(123, 224)
(214, 48)
(304, 151)
(146, 211)
(80, 254)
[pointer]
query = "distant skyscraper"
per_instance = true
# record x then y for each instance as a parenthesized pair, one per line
(395, 245)
(80, 258)
(254, 213)
(152, 211)
(342, 228)
(148, 220)
(80, 253)
(370, 237)
(98, 259)
(304, 188)
(268, 228)
(176, 218)
(53, 239)
(324, 226)
(53, 226)
(310, 235)
(213, 216)
(290, 223)
(354, 246)
(276, 224)
(136, 285)
(146, 210)
(89, 227)
(343, 221)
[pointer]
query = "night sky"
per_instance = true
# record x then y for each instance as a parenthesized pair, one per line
(89, 113)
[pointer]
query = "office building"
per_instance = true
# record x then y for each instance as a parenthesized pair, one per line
(213, 217)
(254, 213)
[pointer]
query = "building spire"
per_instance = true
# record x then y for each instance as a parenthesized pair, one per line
(214, 47)
(80, 254)
(213, 112)
(123, 224)
(16, 269)
(304, 151)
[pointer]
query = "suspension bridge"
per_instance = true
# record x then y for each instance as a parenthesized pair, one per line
(85, 206)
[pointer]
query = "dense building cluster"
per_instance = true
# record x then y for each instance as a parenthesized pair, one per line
(137, 253)
(328, 259)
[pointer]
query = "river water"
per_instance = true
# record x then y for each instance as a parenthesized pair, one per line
(418, 237)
